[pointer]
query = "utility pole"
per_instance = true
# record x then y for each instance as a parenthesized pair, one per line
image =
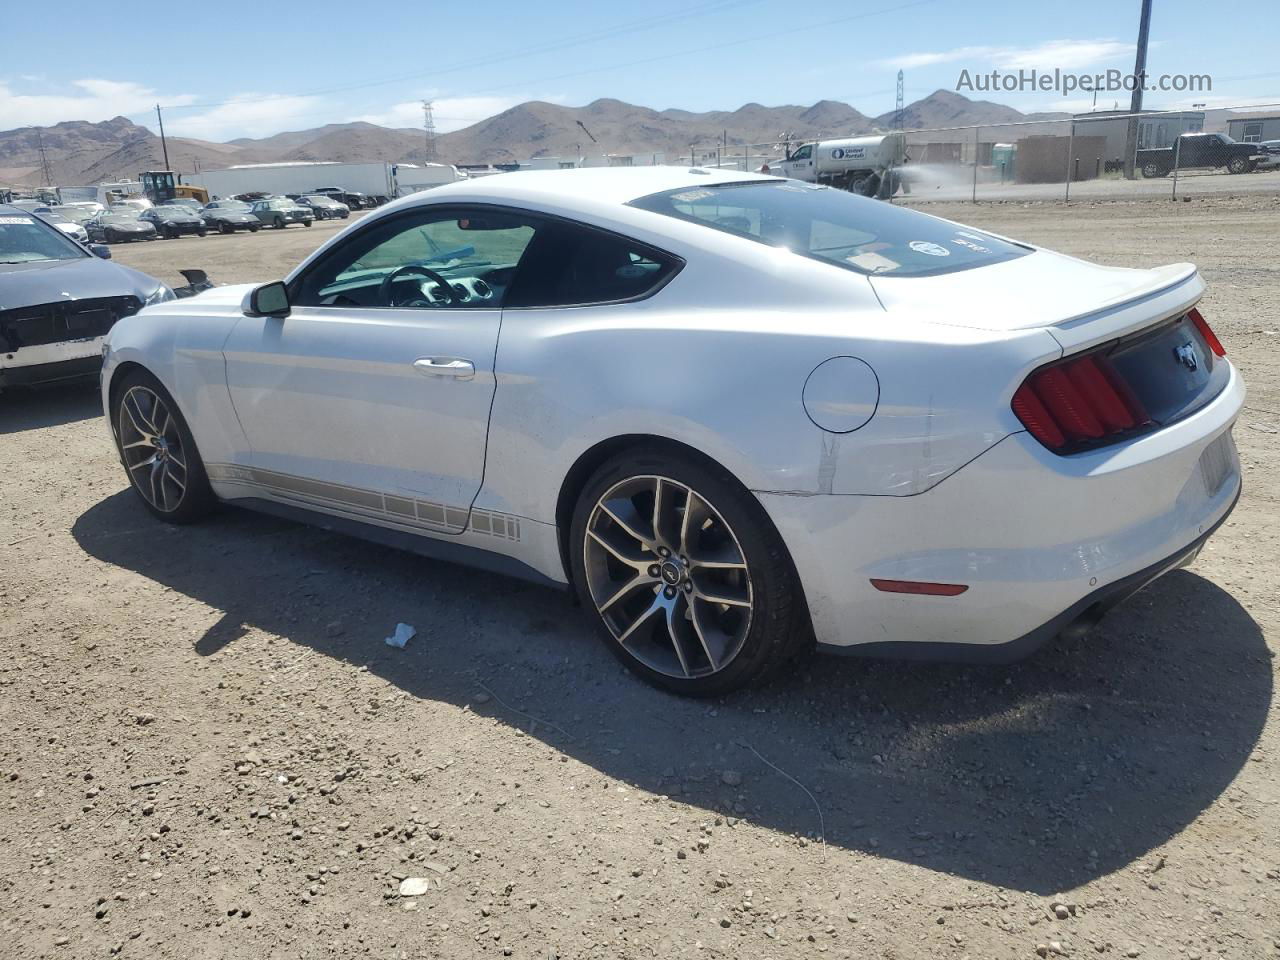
(1139, 79)
(46, 171)
(429, 130)
(164, 144)
(898, 111)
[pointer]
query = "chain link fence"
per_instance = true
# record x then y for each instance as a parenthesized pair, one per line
(1179, 154)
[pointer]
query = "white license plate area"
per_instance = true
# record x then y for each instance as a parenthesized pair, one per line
(1217, 463)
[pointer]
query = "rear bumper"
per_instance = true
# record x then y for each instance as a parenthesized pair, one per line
(1042, 542)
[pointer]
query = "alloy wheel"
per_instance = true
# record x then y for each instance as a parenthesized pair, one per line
(152, 449)
(668, 576)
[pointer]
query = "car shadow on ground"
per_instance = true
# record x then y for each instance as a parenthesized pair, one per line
(1040, 776)
(49, 405)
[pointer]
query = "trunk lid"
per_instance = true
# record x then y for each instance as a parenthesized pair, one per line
(1042, 289)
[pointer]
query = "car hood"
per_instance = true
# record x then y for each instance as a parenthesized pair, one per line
(51, 281)
(1042, 289)
(190, 219)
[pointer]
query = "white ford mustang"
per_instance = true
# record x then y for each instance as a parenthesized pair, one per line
(736, 413)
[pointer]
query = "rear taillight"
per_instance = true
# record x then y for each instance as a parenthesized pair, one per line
(1077, 402)
(1206, 331)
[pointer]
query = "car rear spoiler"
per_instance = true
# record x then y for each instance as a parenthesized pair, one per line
(197, 282)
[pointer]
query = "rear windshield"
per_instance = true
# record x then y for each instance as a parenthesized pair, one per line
(849, 231)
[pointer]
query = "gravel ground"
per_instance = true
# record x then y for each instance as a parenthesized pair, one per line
(211, 753)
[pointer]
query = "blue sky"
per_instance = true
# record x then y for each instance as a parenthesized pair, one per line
(238, 68)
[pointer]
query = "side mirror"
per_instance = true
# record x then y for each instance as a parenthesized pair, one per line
(269, 300)
(100, 250)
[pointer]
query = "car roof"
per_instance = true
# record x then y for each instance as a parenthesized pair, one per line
(612, 185)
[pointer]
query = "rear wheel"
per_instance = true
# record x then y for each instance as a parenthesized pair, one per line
(158, 451)
(1238, 165)
(689, 582)
(202, 232)
(254, 229)
(1151, 169)
(279, 224)
(306, 223)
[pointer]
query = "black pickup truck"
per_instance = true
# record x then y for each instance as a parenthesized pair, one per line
(1193, 150)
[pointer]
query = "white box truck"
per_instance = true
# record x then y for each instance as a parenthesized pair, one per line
(866, 165)
(378, 181)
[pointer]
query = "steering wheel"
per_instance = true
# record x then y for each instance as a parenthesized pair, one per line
(384, 288)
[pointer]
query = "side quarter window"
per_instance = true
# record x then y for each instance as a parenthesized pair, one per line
(570, 264)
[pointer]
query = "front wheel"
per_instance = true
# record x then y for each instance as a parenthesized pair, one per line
(1151, 169)
(687, 579)
(202, 233)
(1237, 165)
(306, 223)
(254, 229)
(279, 223)
(157, 450)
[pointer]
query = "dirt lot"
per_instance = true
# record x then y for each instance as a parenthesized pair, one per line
(210, 752)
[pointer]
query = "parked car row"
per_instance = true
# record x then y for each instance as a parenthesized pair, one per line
(186, 217)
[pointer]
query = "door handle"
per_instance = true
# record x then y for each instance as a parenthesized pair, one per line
(454, 367)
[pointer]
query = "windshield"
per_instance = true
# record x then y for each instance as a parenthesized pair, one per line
(231, 205)
(171, 213)
(24, 239)
(845, 230)
(119, 218)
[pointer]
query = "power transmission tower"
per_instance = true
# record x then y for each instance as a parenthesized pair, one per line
(45, 170)
(429, 130)
(898, 112)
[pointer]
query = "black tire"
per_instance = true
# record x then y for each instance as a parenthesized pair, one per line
(202, 232)
(196, 500)
(254, 229)
(1151, 170)
(279, 223)
(307, 223)
(1238, 165)
(225, 227)
(777, 629)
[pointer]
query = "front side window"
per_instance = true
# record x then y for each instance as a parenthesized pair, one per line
(428, 259)
(834, 226)
(804, 153)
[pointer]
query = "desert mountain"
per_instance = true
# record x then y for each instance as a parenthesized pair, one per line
(82, 152)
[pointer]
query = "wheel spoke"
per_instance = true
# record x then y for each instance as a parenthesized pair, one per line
(156, 481)
(675, 617)
(144, 442)
(644, 617)
(624, 514)
(626, 590)
(695, 515)
(134, 416)
(182, 487)
(730, 596)
(665, 518)
(150, 461)
(704, 637)
(727, 556)
(639, 560)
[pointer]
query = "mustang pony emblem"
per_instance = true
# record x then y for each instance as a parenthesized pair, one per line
(1186, 355)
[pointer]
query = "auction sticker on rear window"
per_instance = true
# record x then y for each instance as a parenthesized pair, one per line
(15, 220)
(931, 249)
